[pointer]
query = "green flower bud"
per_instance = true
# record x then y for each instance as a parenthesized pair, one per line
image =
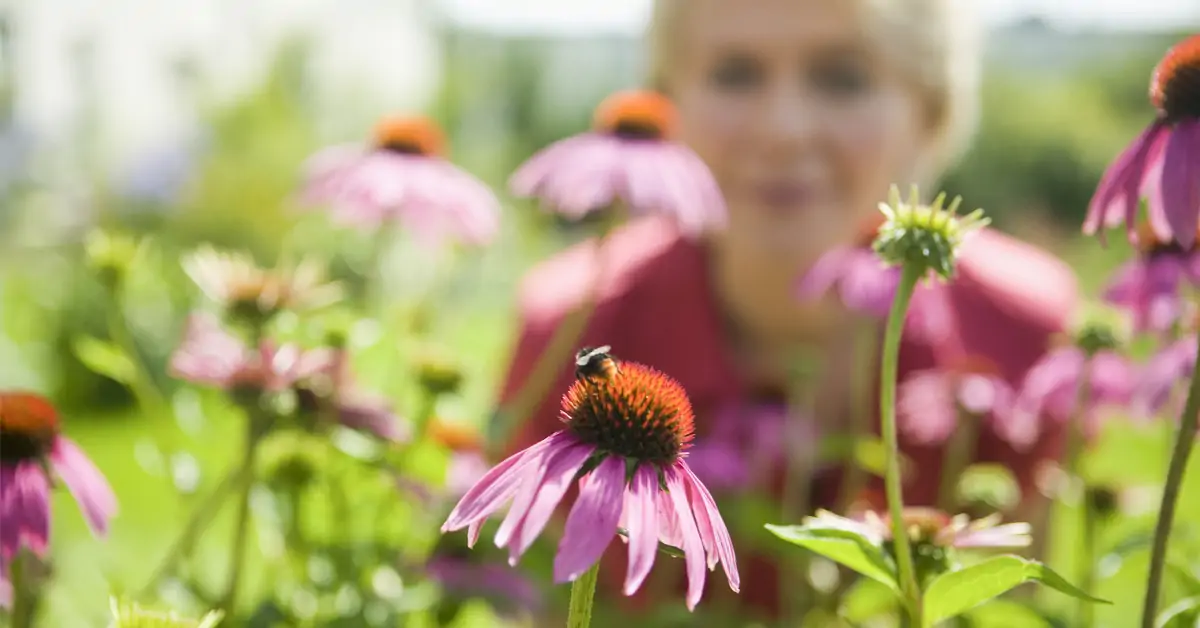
(924, 236)
(1099, 328)
(130, 615)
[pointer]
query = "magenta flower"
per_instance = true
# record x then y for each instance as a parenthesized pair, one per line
(1150, 286)
(929, 526)
(211, 356)
(1160, 379)
(747, 443)
(326, 388)
(1163, 163)
(403, 178)
(625, 439)
(505, 588)
(930, 402)
(1051, 386)
(629, 157)
(31, 447)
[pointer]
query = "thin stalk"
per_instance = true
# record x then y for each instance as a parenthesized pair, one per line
(959, 453)
(854, 476)
(242, 523)
(25, 596)
(583, 590)
(201, 517)
(1184, 440)
(1076, 441)
(887, 411)
(1087, 579)
(797, 487)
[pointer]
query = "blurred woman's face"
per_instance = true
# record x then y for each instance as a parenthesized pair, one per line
(800, 115)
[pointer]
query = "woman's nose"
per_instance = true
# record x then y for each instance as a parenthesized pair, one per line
(788, 120)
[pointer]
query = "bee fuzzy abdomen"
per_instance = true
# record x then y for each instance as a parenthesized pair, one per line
(596, 363)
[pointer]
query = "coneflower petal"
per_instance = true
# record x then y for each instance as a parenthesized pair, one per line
(641, 521)
(592, 523)
(693, 547)
(29, 507)
(1180, 186)
(1116, 196)
(496, 486)
(553, 487)
(705, 508)
(86, 484)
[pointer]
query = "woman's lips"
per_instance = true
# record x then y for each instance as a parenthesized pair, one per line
(785, 196)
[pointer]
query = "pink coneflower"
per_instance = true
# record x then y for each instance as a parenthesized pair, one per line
(1163, 163)
(31, 448)
(1161, 377)
(627, 430)
(930, 527)
(403, 177)
(1150, 286)
(1051, 389)
(930, 402)
(211, 356)
(243, 288)
(747, 444)
(629, 157)
(327, 389)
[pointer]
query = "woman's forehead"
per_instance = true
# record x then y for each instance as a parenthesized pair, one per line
(767, 25)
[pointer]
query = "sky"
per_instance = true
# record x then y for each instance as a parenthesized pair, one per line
(627, 16)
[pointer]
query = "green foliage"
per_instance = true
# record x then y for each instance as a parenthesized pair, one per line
(954, 592)
(843, 547)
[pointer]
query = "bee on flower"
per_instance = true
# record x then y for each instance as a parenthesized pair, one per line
(624, 441)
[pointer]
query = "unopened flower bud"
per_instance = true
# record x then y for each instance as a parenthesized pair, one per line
(925, 236)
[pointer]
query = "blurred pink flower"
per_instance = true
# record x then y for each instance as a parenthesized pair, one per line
(403, 178)
(926, 525)
(748, 442)
(629, 157)
(1161, 378)
(507, 589)
(1150, 286)
(635, 414)
(929, 402)
(1051, 387)
(211, 356)
(328, 384)
(1163, 163)
(31, 447)
(236, 282)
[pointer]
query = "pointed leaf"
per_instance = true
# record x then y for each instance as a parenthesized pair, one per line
(105, 358)
(956, 592)
(842, 547)
(1181, 614)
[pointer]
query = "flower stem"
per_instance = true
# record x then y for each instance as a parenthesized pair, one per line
(1075, 446)
(960, 451)
(854, 476)
(583, 590)
(887, 411)
(1184, 440)
(25, 590)
(245, 479)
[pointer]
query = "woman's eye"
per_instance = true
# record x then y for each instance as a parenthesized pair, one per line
(736, 73)
(842, 78)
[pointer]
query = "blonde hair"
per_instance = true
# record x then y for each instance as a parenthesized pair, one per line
(940, 45)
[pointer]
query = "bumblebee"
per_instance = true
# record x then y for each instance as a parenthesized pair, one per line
(595, 362)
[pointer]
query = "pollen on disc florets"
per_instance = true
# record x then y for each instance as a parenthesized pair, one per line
(28, 426)
(410, 136)
(926, 236)
(1175, 84)
(638, 413)
(642, 115)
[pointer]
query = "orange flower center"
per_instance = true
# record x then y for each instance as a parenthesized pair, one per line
(1175, 84)
(637, 115)
(1151, 245)
(28, 426)
(636, 412)
(410, 136)
(922, 524)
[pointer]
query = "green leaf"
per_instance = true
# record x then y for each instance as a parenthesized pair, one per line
(1005, 614)
(991, 484)
(1181, 614)
(956, 592)
(105, 358)
(843, 547)
(867, 599)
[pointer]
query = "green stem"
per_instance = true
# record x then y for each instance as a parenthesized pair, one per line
(887, 411)
(959, 453)
(583, 590)
(1087, 580)
(1184, 440)
(797, 486)
(25, 594)
(1076, 441)
(242, 523)
(201, 517)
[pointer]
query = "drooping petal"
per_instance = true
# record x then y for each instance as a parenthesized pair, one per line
(1048, 388)
(592, 522)
(1117, 195)
(1162, 375)
(1180, 186)
(373, 415)
(86, 483)
(26, 513)
(693, 547)
(208, 354)
(825, 273)
(641, 522)
(1007, 535)
(712, 527)
(497, 485)
(559, 475)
